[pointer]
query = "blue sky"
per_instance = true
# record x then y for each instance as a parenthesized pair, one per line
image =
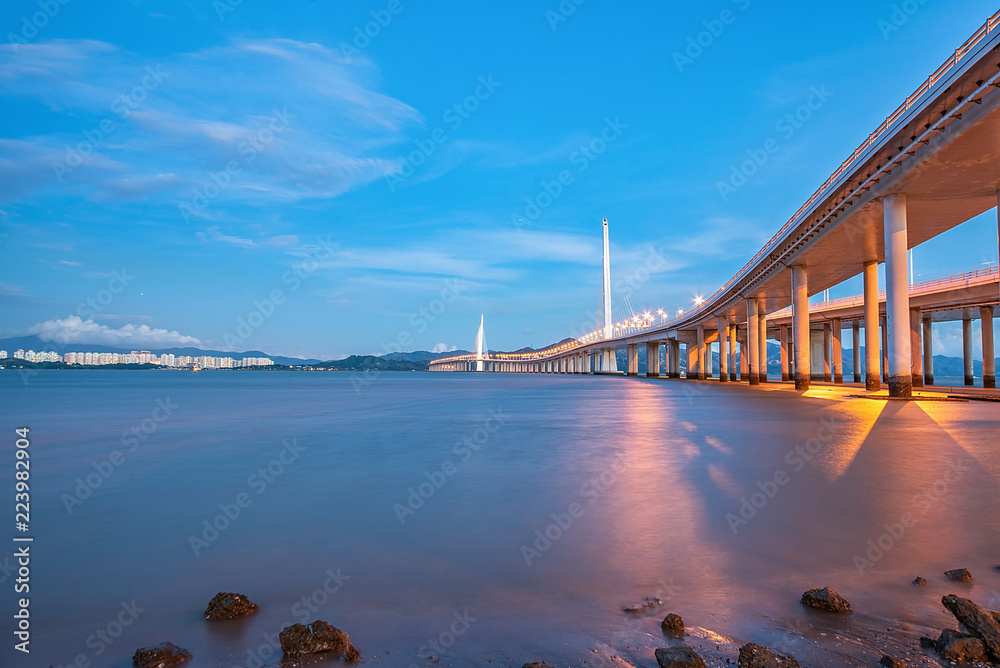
(248, 175)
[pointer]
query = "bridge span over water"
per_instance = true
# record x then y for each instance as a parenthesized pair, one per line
(933, 164)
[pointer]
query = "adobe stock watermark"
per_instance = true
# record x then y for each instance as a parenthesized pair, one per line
(786, 127)
(698, 43)
(922, 502)
(249, 148)
(901, 13)
(105, 635)
(580, 159)
(562, 12)
(364, 35)
(259, 482)
(293, 278)
(121, 107)
(464, 449)
(33, 24)
(436, 648)
(797, 458)
(455, 116)
(105, 467)
(90, 307)
(590, 491)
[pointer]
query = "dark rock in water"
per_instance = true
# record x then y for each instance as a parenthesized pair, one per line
(672, 624)
(827, 599)
(160, 656)
(753, 655)
(979, 622)
(648, 603)
(889, 661)
(678, 657)
(955, 646)
(302, 639)
(928, 643)
(536, 664)
(920, 582)
(959, 575)
(226, 605)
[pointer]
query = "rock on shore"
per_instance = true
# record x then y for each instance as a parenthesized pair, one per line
(980, 622)
(678, 657)
(302, 639)
(955, 646)
(227, 605)
(647, 603)
(753, 655)
(827, 599)
(160, 656)
(673, 624)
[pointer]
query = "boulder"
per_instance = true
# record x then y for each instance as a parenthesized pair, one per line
(302, 639)
(955, 646)
(647, 603)
(959, 575)
(678, 657)
(753, 655)
(889, 661)
(536, 664)
(978, 621)
(160, 656)
(920, 582)
(672, 624)
(226, 605)
(827, 599)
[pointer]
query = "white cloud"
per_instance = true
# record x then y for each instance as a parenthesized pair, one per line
(443, 348)
(76, 330)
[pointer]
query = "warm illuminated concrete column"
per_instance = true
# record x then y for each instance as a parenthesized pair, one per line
(916, 349)
(967, 350)
(800, 322)
(752, 348)
(761, 342)
(783, 346)
(826, 352)
(700, 355)
(872, 377)
(885, 350)
(632, 350)
(856, 351)
(652, 359)
(989, 361)
(897, 296)
(733, 370)
(928, 352)
(838, 351)
(723, 324)
(744, 357)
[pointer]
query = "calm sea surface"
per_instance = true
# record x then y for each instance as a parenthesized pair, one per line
(479, 516)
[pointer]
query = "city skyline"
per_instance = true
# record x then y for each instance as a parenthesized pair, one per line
(280, 180)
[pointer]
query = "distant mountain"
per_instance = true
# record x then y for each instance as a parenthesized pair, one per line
(36, 344)
(371, 363)
(422, 355)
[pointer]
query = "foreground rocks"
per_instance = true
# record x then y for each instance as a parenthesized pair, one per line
(889, 661)
(753, 655)
(959, 575)
(673, 624)
(303, 639)
(827, 599)
(226, 605)
(647, 603)
(678, 657)
(955, 646)
(980, 622)
(160, 656)
(919, 582)
(536, 664)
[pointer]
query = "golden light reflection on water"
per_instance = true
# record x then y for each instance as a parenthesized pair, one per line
(852, 422)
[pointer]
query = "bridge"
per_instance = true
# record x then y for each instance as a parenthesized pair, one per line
(933, 164)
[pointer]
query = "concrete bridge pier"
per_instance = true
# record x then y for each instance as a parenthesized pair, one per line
(753, 346)
(741, 336)
(897, 296)
(873, 382)
(723, 325)
(783, 345)
(761, 342)
(916, 349)
(699, 372)
(827, 342)
(800, 320)
(928, 356)
(989, 361)
(652, 359)
(838, 352)
(675, 358)
(633, 359)
(856, 351)
(885, 349)
(967, 350)
(734, 370)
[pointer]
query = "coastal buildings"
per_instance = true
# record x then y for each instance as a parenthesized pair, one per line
(140, 357)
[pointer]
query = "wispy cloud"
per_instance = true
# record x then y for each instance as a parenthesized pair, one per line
(76, 330)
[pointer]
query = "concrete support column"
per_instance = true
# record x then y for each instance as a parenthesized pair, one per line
(967, 350)
(700, 354)
(838, 351)
(675, 358)
(873, 381)
(989, 361)
(761, 342)
(897, 296)
(856, 351)
(916, 349)
(928, 356)
(652, 359)
(723, 324)
(633, 359)
(827, 341)
(783, 344)
(800, 321)
(733, 370)
(691, 354)
(885, 350)
(752, 349)
(744, 357)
